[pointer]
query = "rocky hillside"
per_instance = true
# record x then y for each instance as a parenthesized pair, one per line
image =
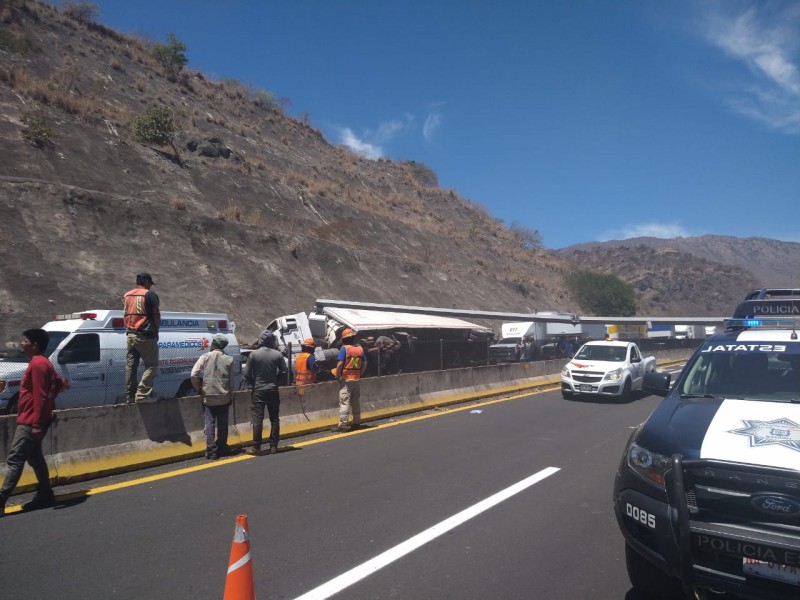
(667, 281)
(771, 262)
(257, 214)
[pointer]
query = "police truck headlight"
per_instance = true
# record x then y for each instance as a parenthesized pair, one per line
(565, 372)
(614, 375)
(650, 465)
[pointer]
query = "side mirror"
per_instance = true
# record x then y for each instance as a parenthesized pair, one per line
(65, 356)
(657, 383)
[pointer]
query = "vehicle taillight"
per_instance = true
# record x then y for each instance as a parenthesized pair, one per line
(117, 322)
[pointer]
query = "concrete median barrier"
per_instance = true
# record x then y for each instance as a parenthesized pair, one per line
(83, 443)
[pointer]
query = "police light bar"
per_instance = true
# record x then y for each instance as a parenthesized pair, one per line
(757, 309)
(766, 323)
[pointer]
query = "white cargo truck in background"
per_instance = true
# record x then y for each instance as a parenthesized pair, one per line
(544, 338)
(89, 350)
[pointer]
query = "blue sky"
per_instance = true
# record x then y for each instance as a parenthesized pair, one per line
(586, 120)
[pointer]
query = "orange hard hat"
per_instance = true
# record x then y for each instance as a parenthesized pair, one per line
(348, 333)
(309, 342)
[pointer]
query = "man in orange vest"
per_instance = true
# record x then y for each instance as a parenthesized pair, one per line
(352, 362)
(143, 320)
(305, 368)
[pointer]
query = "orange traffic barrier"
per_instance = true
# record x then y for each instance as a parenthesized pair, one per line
(239, 584)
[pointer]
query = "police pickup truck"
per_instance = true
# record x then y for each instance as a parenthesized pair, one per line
(89, 350)
(707, 493)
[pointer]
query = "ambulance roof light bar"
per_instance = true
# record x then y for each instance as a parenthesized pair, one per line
(85, 316)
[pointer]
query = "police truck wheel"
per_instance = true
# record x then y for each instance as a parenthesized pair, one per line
(649, 580)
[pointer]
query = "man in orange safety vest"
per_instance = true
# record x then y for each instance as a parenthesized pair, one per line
(305, 368)
(143, 320)
(352, 362)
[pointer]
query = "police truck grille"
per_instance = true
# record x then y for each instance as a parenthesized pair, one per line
(735, 511)
(730, 492)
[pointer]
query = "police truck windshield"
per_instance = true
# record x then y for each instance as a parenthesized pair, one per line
(745, 371)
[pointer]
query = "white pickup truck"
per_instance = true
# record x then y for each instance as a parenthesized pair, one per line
(606, 368)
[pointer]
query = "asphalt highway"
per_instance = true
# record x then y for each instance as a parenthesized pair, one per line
(509, 498)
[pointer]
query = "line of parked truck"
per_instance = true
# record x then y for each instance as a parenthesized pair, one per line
(89, 348)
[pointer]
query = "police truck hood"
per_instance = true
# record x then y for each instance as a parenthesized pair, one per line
(746, 431)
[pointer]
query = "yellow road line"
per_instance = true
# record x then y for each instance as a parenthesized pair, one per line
(151, 478)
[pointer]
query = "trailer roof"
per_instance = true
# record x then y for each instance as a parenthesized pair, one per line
(377, 319)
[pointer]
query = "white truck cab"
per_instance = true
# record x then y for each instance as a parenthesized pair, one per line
(606, 368)
(89, 349)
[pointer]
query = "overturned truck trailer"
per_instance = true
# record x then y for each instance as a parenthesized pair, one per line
(420, 342)
(426, 342)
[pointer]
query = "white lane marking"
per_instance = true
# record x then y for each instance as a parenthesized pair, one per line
(345, 580)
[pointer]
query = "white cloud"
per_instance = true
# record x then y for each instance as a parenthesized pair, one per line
(351, 140)
(657, 230)
(432, 122)
(765, 40)
(371, 143)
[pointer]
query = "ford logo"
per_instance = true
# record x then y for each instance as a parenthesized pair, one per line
(774, 504)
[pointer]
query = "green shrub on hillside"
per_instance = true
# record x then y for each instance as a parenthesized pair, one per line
(602, 294)
(264, 99)
(171, 56)
(529, 239)
(157, 126)
(17, 44)
(37, 131)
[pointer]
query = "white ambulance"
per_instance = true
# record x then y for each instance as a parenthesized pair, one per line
(89, 349)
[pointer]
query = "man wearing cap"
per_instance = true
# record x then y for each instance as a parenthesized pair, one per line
(143, 320)
(264, 369)
(352, 362)
(211, 377)
(305, 367)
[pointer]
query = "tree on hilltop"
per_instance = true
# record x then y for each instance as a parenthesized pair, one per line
(171, 56)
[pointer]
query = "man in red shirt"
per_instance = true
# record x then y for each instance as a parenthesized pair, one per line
(37, 397)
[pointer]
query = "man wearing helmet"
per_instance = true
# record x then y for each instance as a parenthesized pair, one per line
(264, 368)
(352, 363)
(305, 368)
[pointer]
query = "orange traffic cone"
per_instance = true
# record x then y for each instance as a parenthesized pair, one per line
(239, 583)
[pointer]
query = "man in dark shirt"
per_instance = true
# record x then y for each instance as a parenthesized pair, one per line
(37, 397)
(264, 369)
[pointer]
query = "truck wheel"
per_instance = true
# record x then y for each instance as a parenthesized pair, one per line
(649, 580)
(626, 390)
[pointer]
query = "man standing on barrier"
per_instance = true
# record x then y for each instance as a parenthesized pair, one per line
(264, 369)
(143, 320)
(37, 398)
(352, 363)
(211, 377)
